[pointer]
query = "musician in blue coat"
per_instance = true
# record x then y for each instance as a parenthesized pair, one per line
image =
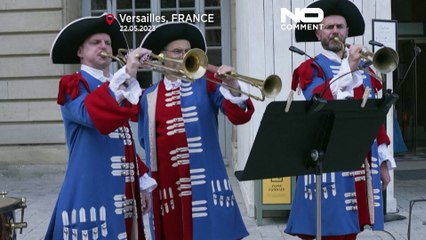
(104, 192)
(335, 74)
(178, 128)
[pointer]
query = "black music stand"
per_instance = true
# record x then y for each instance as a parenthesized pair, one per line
(314, 137)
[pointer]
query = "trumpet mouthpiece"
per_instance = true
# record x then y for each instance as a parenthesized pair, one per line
(104, 54)
(337, 39)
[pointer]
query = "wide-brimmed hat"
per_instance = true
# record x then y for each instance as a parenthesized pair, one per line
(70, 38)
(344, 8)
(165, 33)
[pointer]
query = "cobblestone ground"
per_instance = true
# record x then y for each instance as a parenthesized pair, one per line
(40, 184)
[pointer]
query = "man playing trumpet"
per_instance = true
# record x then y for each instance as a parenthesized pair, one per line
(178, 128)
(335, 74)
(100, 197)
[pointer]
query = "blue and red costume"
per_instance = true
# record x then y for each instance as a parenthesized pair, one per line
(178, 128)
(99, 198)
(344, 200)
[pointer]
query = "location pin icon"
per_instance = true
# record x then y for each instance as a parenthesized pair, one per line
(109, 18)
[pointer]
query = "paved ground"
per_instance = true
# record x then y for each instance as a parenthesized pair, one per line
(40, 184)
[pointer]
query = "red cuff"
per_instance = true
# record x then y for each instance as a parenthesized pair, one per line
(105, 112)
(382, 136)
(141, 166)
(237, 115)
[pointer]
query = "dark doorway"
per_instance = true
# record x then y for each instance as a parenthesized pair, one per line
(411, 106)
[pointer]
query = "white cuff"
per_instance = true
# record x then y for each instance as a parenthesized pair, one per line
(131, 90)
(118, 94)
(386, 155)
(117, 81)
(240, 100)
(147, 183)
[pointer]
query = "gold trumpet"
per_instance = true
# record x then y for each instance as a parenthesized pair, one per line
(192, 66)
(385, 60)
(270, 87)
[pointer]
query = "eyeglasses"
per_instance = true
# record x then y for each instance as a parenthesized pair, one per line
(178, 51)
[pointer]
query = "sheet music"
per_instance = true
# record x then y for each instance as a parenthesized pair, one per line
(384, 31)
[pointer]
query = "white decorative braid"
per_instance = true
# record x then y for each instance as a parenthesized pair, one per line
(122, 133)
(122, 169)
(190, 114)
(350, 201)
(174, 126)
(123, 206)
(198, 176)
(179, 156)
(195, 145)
(199, 208)
(218, 187)
(186, 89)
(122, 236)
(328, 183)
(81, 217)
(377, 193)
(184, 186)
(172, 98)
(167, 200)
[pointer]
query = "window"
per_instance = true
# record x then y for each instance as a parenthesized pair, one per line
(218, 47)
(217, 35)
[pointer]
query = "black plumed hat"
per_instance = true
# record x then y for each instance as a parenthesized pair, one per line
(165, 33)
(67, 42)
(343, 8)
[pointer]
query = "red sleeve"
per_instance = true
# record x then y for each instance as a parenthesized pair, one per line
(237, 115)
(382, 136)
(135, 107)
(105, 112)
(142, 166)
(211, 86)
(70, 84)
(375, 83)
(304, 74)
(320, 90)
(359, 92)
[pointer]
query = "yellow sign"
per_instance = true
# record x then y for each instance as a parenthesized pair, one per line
(276, 190)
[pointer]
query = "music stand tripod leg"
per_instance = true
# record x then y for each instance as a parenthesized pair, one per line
(317, 158)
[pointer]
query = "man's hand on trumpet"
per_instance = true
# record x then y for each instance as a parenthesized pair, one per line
(135, 60)
(126, 86)
(222, 73)
(355, 55)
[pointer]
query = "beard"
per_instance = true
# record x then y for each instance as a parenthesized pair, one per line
(331, 45)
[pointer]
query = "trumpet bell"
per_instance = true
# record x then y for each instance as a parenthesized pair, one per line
(272, 86)
(195, 63)
(385, 60)
(192, 66)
